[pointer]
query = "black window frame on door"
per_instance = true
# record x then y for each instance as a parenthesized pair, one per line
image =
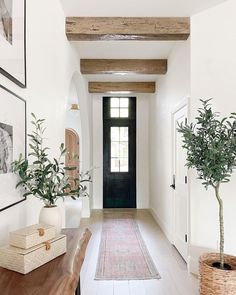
(129, 175)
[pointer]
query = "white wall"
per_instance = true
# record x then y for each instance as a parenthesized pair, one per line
(51, 62)
(142, 155)
(73, 117)
(97, 152)
(173, 88)
(213, 64)
(142, 163)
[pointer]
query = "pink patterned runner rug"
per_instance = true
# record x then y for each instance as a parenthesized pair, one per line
(123, 254)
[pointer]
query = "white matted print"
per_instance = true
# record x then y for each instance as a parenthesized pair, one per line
(6, 19)
(6, 148)
(12, 144)
(12, 40)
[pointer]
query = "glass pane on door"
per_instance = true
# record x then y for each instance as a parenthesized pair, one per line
(119, 107)
(115, 149)
(115, 134)
(124, 113)
(115, 166)
(124, 133)
(124, 165)
(119, 149)
(123, 150)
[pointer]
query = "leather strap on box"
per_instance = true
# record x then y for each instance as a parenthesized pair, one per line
(47, 245)
(41, 232)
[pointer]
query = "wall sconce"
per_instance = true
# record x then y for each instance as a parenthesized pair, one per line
(74, 107)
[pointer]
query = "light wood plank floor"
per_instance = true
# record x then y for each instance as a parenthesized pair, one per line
(175, 279)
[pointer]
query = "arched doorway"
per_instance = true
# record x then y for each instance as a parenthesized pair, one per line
(77, 120)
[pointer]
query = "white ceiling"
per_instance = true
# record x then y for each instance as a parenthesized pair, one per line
(130, 49)
(136, 7)
(124, 49)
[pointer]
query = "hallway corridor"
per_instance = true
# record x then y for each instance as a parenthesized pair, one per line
(175, 279)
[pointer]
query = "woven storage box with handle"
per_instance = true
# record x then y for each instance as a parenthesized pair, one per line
(31, 236)
(24, 261)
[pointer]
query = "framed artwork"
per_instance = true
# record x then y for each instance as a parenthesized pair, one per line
(12, 144)
(13, 40)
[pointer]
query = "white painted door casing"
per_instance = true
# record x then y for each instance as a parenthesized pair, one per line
(180, 193)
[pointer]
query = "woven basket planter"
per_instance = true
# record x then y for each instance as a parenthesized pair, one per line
(214, 281)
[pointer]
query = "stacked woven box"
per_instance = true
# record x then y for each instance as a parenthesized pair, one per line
(32, 247)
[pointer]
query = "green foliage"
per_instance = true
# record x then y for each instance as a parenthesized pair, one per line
(211, 145)
(44, 178)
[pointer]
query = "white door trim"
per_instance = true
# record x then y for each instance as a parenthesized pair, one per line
(182, 104)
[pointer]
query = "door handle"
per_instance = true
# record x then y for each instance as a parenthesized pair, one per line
(173, 184)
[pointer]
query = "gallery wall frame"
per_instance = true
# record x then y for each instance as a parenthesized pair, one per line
(13, 40)
(13, 141)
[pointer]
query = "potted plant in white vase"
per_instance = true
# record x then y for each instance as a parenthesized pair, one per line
(46, 178)
(211, 150)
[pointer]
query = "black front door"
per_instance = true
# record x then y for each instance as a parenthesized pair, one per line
(119, 152)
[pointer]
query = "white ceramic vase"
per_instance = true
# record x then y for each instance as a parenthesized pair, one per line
(51, 216)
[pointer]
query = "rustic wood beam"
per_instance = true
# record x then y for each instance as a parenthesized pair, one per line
(121, 87)
(128, 66)
(127, 28)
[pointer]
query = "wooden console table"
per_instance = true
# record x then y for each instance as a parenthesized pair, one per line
(58, 277)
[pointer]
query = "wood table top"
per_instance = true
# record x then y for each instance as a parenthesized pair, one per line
(57, 277)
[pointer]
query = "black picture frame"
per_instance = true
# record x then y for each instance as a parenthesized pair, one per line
(10, 75)
(24, 107)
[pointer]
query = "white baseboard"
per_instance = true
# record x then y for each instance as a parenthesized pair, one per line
(193, 259)
(193, 265)
(166, 230)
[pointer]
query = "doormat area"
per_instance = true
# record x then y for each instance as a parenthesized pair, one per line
(123, 254)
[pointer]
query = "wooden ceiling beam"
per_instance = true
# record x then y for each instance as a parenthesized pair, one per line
(127, 28)
(126, 66)
(121, 87)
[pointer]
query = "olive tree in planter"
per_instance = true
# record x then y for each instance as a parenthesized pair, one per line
(46, 178)
(211, 150)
